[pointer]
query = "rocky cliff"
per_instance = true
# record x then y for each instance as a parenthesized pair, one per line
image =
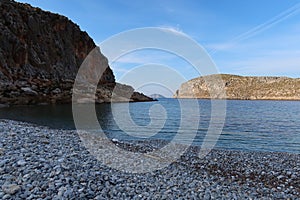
(40, 54)
(241, 87)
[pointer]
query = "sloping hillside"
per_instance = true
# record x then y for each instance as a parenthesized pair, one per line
(241, 87)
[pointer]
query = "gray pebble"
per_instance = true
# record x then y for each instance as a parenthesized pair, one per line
(10, 188)
(21, 162)
(66, 170)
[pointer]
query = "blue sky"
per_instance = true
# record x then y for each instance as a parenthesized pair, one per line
(248, 37)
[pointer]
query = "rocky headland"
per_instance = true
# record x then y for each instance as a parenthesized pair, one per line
(241, 88)
(40, 54)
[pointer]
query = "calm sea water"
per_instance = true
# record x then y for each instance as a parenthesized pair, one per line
(249, 125)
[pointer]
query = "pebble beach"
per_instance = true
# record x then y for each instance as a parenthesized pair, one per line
(37, 162)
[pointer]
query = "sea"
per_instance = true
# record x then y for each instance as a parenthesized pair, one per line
(259, 125)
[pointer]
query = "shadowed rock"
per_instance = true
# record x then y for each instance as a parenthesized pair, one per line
(40, 54)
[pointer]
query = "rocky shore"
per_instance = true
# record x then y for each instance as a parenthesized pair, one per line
(41, 163)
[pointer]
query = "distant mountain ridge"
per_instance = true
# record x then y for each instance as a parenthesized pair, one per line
(157, 96)
(241, 87)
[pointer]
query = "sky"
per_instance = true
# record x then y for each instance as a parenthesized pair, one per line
(248, 37)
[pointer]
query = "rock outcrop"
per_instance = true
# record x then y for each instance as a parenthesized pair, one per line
(241, 87)
(40, 54)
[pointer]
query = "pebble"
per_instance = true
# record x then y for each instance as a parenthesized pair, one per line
(3, 162)
(115, 140)
(7, 196)
(21, 162)
(10, 188)
(280, 177)
(33, 169)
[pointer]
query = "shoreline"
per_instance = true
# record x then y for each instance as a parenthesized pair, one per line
(161, 142)
(40, 162)
(236, 99)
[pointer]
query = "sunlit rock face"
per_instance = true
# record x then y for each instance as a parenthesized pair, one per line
(241, 87)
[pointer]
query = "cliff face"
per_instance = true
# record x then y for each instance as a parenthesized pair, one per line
(240, 87)
(40, 54)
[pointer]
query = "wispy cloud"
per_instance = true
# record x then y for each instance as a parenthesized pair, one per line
(292, 11)
(145, 56)
(175, 30)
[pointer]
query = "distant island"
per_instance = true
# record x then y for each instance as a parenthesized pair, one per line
(241, 88)
(157, 96)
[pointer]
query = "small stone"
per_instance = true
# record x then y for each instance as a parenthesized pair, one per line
(80, 190)
(21, 163)
(115, 140)
(7, 196)
(105, 178)
(68, 193)
(207, 195)
(61, 191)
(280, 177)
(294, 176)
(58, 171)
(29, 91)
(66, 167)
(56, 91)
(45, 141)
(3, 162)
(12, 134)
(11, 188)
